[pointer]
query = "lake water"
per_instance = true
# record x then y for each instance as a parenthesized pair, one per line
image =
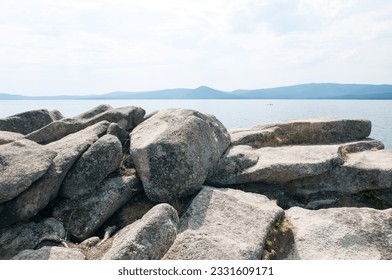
(236, 113)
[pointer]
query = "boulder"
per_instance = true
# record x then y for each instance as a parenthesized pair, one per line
(21, 163)
(101, 159)
(148, 238)
(7, 137)
(316, 131)
(273, 165)
(126, 117)
(28, 236)
(42, 191)
(360, 146)
(29, 121)
(224, 224)
(341, 233)
(85, 214)
(50, 253)
(174, 149)
(121, 134)
(362, 171)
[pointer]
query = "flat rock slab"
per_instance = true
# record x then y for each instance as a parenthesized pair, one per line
(174, 149)
(85, 214)
(125, 117)
(302, 132)
(148, 238)
(50, 253)
(274, 165)
(362, 171)
(28, 236)
(42, 191)
(341, 233)
(29, 121)
(22, 163)
(224, 224)
(101, 159)
(7, 137)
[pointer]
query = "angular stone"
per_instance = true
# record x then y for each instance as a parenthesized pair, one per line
(317, 131)
(29, 121)
(28, 236)
(42, 191)
(224, 224)
(21, 163)
(360, 146)
(101, 159)
(174, 149)
(8, 137)
(121, 134)
(243, 164)
(84, 215)
(341, 233)
(125, 117)
(50, 253)
(362, 171)
(148, 238)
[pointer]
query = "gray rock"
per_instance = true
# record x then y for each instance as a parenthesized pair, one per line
(360, 146)
(362, 171)
(174, 149)
(29, 121)
(56, 115)
(21, 163)
(90, 242)
(84, 215)
(224, 224)
(50, 253)
(317, 131)
(8, 137)
(341, 233)
(148, 238)
(101, 159)
(125, 117)
(28, 236)
(243, 164)
(42, 191)
(121, 134)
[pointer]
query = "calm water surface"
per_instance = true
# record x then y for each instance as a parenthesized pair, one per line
(236, 113)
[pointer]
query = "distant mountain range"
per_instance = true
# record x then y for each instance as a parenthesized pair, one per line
(304, 91)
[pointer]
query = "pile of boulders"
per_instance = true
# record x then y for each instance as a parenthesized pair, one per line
(114, 183)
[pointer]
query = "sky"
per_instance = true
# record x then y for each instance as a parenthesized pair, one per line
(98, 46)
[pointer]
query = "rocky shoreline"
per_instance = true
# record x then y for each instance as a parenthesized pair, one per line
(114, 183)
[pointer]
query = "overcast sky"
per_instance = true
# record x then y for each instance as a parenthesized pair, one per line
(92, 47)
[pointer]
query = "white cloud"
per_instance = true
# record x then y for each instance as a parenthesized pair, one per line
(80, 46)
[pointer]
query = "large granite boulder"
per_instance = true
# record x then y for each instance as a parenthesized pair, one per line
(317, 131)
(42, 191)
(174, 149)
(341, 233)
(50, 253)
(274, 165)
(8, 137)
(362, 171)
(148, 238)
(28, 236)
(126, 117)
(84, 214)
(224, 224)
(22, 163)
(101, 159)
(29, 121)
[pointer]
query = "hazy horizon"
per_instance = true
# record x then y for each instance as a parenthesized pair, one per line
(82, 47)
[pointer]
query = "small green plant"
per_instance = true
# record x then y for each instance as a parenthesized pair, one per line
(269, 243)
(372, 194)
